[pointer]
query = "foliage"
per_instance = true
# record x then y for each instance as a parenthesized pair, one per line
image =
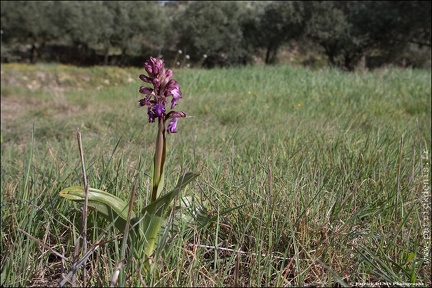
(137, 26)
(280, 23)
(213, 29)
(228, 33)
(403, 24)
(145, 227)
(87, 26)
(327, 26)
(330, 167)
(29, 22)
(348, 30)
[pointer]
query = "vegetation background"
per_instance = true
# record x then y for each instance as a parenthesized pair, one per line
(333, 168)
(346, 34)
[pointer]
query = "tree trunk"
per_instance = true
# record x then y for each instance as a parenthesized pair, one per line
(330, 51)
(331, 59)
(106, 57)
(123, 56)
(274, 55)
(352, 58)
(267, 59)
(271, 53)
(33, 54)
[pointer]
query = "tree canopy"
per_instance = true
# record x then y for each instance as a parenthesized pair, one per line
(215, 33)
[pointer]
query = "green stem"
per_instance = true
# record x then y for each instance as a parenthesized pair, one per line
(159, 157)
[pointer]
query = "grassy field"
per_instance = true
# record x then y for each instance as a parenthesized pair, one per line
(333, 170)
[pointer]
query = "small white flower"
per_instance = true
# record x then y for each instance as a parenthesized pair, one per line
(178, 63)
(180, 52)
(187, 57)
(205, 56)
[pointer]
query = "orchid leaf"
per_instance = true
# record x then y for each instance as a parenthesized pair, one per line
(115, 210)
(150, 227)
(159, 206)
(107, 205)
(156, 213)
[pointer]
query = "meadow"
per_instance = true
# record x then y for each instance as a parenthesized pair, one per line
(331, 171)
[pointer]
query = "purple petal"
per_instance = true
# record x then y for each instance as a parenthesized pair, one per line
(146, 101)
(151, 115)
(173, 88)
(157, 66)
(176, 93)
(172, 127)
(148, 68)
(146, 78)
(172, 84)
(173, 103)
(176, 114)
(156, 82)
(158, 109)
(168, 73)
(145, 90)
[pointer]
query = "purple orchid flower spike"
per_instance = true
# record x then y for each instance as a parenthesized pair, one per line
(157, 97)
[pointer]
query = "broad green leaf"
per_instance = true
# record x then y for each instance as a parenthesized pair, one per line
(115, 209)
(109, 206)
(155, 213)
(159, 206)
(150, 225)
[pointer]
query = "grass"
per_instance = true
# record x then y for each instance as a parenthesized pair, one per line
(327, 164)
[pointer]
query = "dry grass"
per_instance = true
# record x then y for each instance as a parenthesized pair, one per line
(332, 187)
